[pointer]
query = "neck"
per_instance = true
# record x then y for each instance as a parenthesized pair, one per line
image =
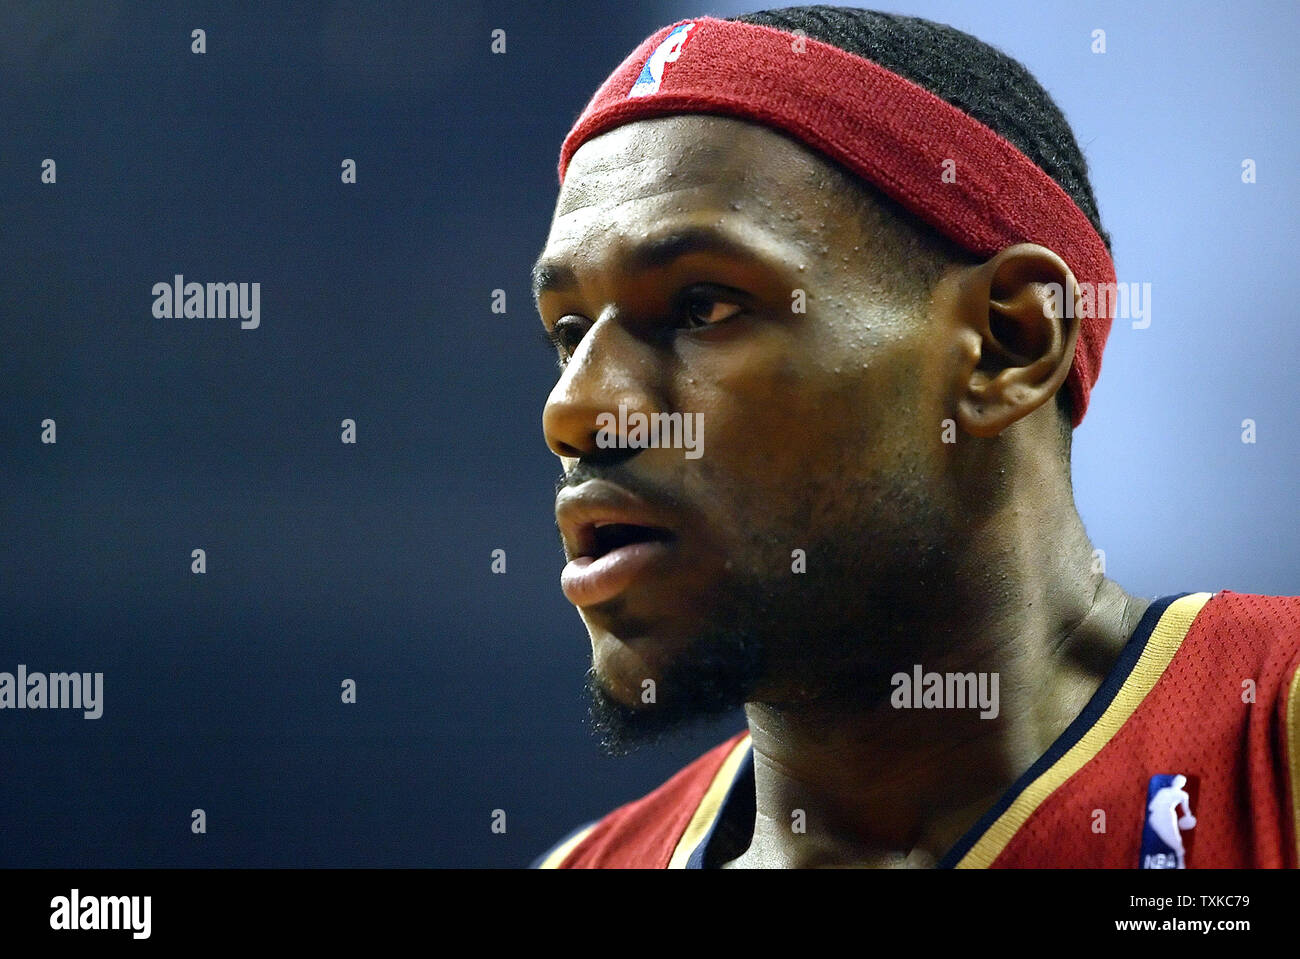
(880, 785)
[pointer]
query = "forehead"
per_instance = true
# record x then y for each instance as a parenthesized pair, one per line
(642, 173)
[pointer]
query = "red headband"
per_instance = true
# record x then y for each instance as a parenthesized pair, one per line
(881, 126)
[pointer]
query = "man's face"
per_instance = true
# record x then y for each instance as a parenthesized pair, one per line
(810, 509)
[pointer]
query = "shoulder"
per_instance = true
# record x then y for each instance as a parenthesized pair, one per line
(1231, 696)
(1225, 655)
(1257, 635)
(644, 833)
(1254, 615)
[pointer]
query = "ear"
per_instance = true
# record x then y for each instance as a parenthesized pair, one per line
(1016, 316)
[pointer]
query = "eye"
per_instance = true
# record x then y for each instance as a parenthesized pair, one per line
(696, 308)
(701, 307)
(564, 338)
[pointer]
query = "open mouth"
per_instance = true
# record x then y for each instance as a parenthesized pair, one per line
(611, 557)
(607, 537)
(613, 540)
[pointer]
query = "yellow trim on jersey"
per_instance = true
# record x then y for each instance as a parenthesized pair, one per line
(561, 852)
(1293, 754)
(710, 805)
(1165, 639)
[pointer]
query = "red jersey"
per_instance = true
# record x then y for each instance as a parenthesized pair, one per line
(1188, 755)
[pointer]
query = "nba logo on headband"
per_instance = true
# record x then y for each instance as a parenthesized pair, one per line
(652, 74)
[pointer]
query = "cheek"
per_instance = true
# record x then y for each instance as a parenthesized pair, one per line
(791, 424)
(777, 414)
(782, 435)
(757, 415)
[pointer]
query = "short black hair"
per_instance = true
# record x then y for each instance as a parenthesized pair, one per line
(968, 73)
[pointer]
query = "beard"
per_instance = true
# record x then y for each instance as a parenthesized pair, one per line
(716, 675)
(831, 636)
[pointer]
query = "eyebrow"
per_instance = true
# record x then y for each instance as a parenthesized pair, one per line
(653, 253)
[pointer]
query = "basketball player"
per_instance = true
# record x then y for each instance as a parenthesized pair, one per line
(860, 254)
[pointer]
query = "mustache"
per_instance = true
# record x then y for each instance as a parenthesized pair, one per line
(653, 495)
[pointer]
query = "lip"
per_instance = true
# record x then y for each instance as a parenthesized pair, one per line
(592, 577)
(587, 580)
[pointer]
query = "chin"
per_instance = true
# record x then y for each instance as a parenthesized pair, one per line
(695, 677)
(622, 666)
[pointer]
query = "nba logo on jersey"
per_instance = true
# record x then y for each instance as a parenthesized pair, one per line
(1162, 838)
(652, 74)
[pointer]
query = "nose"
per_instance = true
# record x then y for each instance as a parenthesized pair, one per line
(610, 367)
